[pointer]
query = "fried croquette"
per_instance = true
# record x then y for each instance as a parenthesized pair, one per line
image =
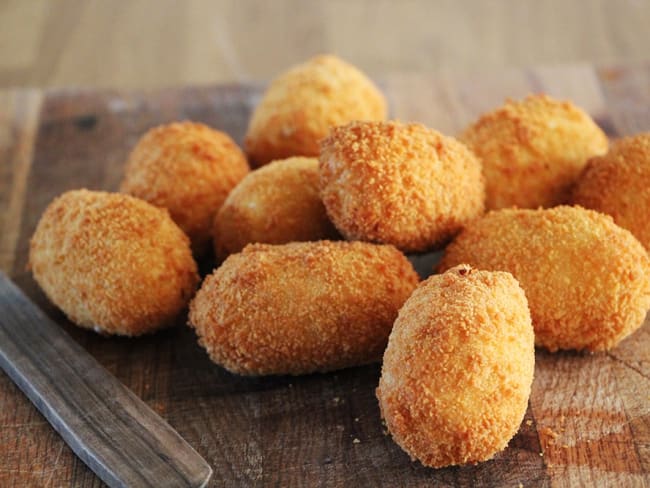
(458, 368)
(275, 204)
(533, 150)
(617, 184)
(113, 263)
(301, 307)
(189, 169)
(301, 106)
(586, 279)
(400, 184)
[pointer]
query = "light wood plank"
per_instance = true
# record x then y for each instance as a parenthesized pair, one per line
(153, 43)
(18, 128)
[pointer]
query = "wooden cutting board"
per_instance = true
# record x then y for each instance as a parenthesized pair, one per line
(588, 422)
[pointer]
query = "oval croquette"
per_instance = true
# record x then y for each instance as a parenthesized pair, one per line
(458, 368)
(275, 204)
(400, 184)
(112, 262)
(586, 279)
(617, 184)
(533, 150)
(301, 106)
(301, 307)
(189, 169)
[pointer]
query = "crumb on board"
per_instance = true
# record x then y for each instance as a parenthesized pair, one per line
(356, 441)
(529, 422)
(549, 432)
(548, 437)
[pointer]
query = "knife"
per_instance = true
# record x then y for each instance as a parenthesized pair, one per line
(114, 432)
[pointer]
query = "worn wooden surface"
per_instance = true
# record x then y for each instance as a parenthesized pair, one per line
(589, 417)
(113, 431)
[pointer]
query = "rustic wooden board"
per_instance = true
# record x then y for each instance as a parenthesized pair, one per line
(301, 431)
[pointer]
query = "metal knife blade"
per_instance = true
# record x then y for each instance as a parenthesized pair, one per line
(114, 432)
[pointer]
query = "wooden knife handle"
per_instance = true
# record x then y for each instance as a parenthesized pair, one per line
(114, 432)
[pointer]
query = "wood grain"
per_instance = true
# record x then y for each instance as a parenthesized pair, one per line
(18, 125)
(155, 43)
(108, 427)
(588, 422)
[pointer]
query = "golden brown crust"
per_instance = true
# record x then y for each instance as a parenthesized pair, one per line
(112, 262)
(533, 150)
(400, 184)
(301, 307)
(587, 280)
(302, 104)
(275, 204)
(617, 184)
(458, 368)
(189, 169)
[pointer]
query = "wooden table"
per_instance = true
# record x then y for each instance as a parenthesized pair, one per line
(588, 422)
(156, 43)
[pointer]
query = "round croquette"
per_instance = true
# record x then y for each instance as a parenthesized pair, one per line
(533, 150)
(400, 184)
(275, 204)
(189, 169)
(617, 184)
(301, 106)
(112, 262)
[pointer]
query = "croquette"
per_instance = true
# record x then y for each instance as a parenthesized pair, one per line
(189, 169)
(617, 184)
(533, 150)
(301, 307)
(113, 263)
(275, 204)
(398, 183)
(587, 280)
(301, 105)
(458, 368)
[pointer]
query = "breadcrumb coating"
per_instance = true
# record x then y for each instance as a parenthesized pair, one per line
(301, 105)
(587, 280)
(533, 150)
(400, 184)
(458, 368)
(112, 263)
(189, 169)
(275, 204)
(617, 184)
(301, 307)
